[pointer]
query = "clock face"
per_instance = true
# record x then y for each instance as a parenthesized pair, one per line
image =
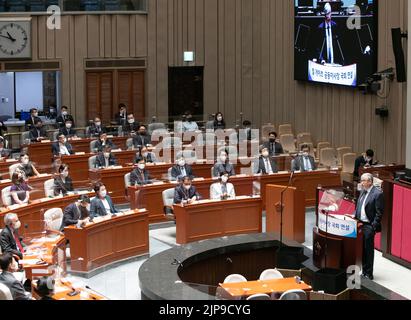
(15, 40)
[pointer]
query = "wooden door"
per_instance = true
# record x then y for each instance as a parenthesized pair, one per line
(99, 95)
(130, 91)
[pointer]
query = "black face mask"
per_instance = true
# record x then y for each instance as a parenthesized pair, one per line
(142, 133)
(272, 139)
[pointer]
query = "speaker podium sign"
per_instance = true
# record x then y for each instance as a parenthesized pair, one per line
(342, 226)
(331, 73)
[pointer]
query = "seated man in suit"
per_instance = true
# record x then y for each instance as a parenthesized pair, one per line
(105, 159)
(369, 210)
(63, 182)
(103, 141)
(265, 164)
(102, 205)
(68, 130)
(27, 167)
(38, 133)
(150, 157)
(30, 122)
(64, 117)
(10, 241)
(142, 139)
(189, 125)
(223, 165)
(9, 265)
(96, 128)
(181, 169)
(61, 147)
(222, 190)
(304, 162)
(140, 176)
(132, 126)
(364, 161)
(273, 145)
(76, 213)
(4, 153)
(186, 192)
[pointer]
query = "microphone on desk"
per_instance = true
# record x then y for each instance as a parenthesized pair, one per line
(177, 263)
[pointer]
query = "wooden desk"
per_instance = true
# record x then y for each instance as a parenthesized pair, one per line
(246, 289)
(4, 167)
(83, 145)
(150, 196)
(382, 171)
(54, 252)
(214, 219)
(102, 243)
(63, 288)
(31, 215)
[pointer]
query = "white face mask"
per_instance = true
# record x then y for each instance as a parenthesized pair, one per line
(182, 163)
(131, 121)
(223, 158)
(305, 154)
(17, 225)
(68, 125)
(107, 154)
(224, 179)
(266, 154)
(36, 114)
(65, 174)
(64, 113)
(141, 166)
(103, 194)
(25, 161)
(98, 124)
(187, 187)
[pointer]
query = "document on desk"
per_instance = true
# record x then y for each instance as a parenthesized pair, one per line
(80, 153)
(5, 181)
(29, 262)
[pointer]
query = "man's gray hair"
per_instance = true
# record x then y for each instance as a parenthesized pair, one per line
(367, 176)
(9, 218)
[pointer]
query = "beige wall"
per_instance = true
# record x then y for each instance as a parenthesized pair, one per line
(247, 50)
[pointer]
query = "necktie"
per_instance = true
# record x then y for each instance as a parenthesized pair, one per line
(142, 177)
(360, 204)
(272, 149)
(223, 188)
(267, 168)
(18, 243)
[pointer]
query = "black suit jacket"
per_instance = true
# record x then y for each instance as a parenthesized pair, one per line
(359, 163)
(176, 171)
(8, 244)
(16, 287)
(274, 148)
(68, 132)
(139, 141)
(97, 207)
(2, 128)
(30, 122)
(72, 214)
(374, 208)
(34, 134)
(63, 187)
(180, 194)
(61, 120)
(261, 165)
(55, 147)
(101, 161)
(135, 177)
(95, 131)
(127, 128)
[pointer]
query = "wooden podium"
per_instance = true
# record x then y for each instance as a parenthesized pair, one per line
(293, 212)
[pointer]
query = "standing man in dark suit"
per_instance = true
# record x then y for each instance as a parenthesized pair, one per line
(266, 164)
(304, 162)
(62, 147)
(181, 169)
(8, 266)
(273, 146)
(30, 122)
(370, 208)
(105, 159)
(76, 213)
(140, 176)
(38, 133)
(102, 205)
(10, 240)
(186, 192)
(366, 161)
(142, 139)
(64, 117)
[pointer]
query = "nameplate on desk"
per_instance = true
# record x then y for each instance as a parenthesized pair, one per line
(240, 176)
(5, 181)
(115, 167)
(16, 206)
(285, 172)
(116, 150)
(198, 179)
(45, 141)
(110, 136)
(157, 183)
(80, 153)
(11, 160)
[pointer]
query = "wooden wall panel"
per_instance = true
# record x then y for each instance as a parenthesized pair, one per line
(246, 48)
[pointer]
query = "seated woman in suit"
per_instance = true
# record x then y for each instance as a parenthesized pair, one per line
(102, 205)
(20, 191)
(27, 167)
(140, 176)
(62, 182)
(181, 169)
(222, 190)
(186, 192)
(223, 165)
(150, 157)
(105, 159)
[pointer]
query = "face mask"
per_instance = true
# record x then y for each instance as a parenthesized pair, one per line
(25, 161)
(65, 174)
(103, 194)
(141, 166)
(64, 113)
(17, 225)
(265, 154)
(182, 163)
(187, 187)
(272, 139)
(39, 127)
(52, 110)
(143, 133)
(68, 125)
(98, 124)
(107, 154)
(189, 119)
(224, 179)
(305, 154)
(36, 114)
(223, 158)
(131, 121)
(145, 154)
(220, 118)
